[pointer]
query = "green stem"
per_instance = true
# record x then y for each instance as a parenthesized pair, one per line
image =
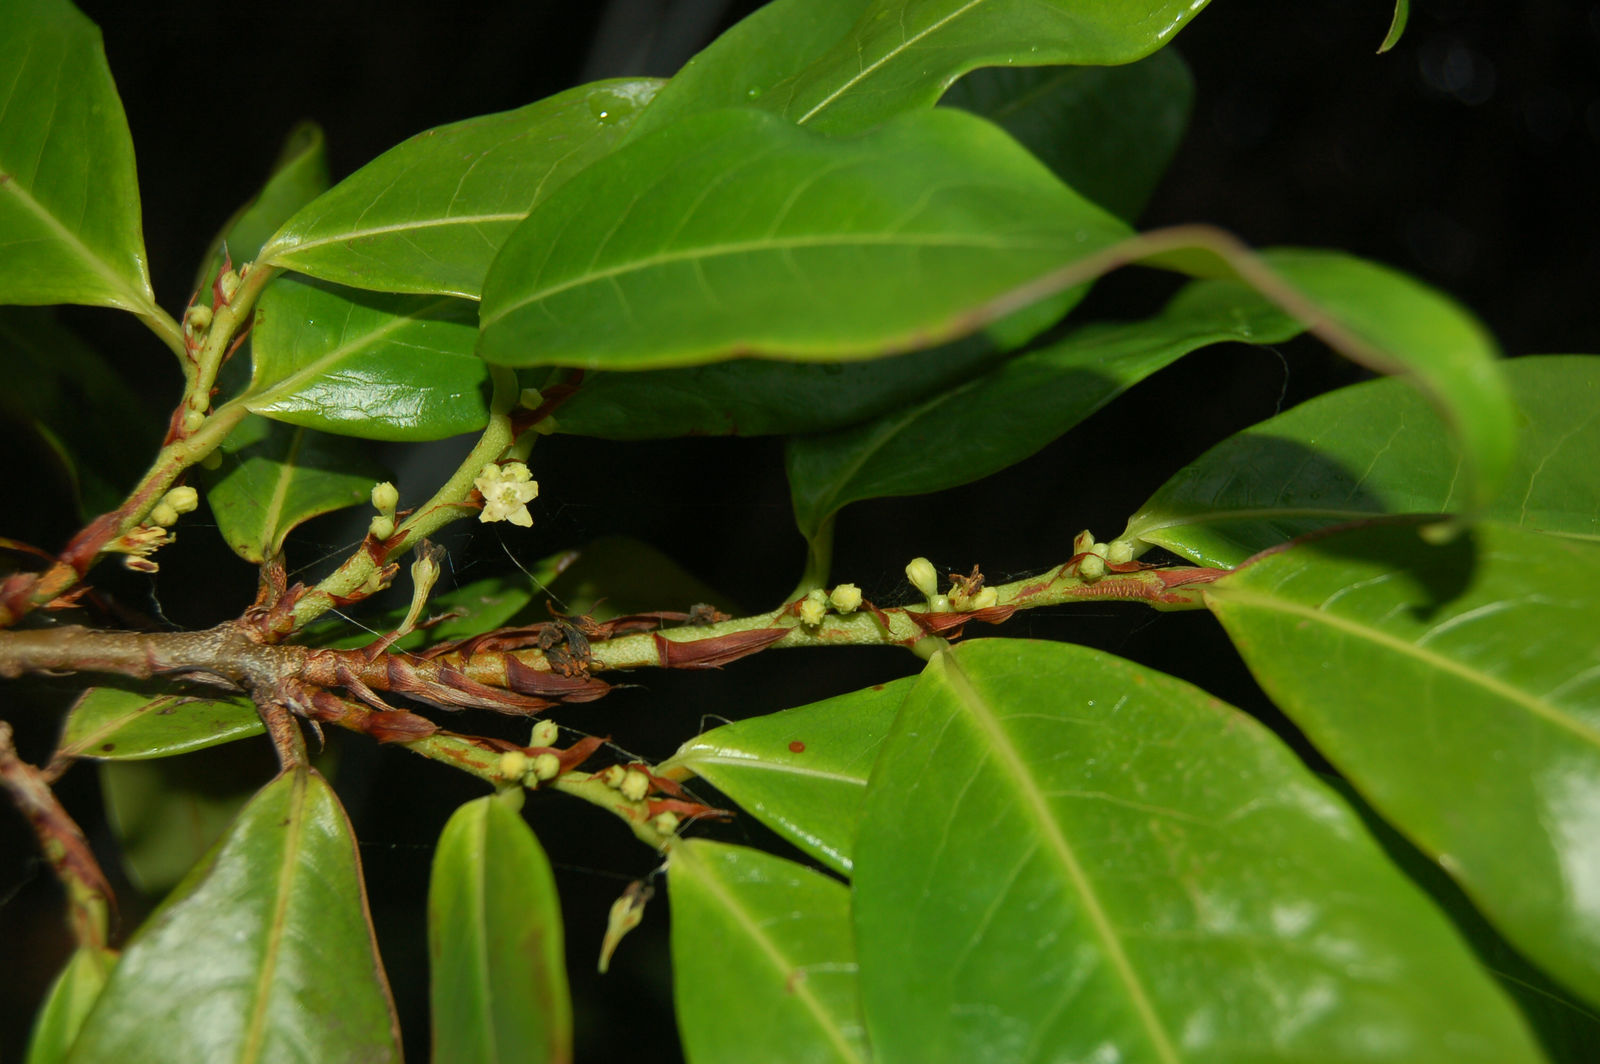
(819, 559)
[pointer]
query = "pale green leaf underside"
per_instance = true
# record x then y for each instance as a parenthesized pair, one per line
(1065, 856)
(69, 197)
(1377, 448)
(66, 1005)
(497, 974)
(763, 967)
(736, 234)
(429, 215)
(263, 953)
(1458, 688)
(803, 771)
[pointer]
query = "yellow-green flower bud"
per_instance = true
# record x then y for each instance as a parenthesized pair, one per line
(545, 733)
(513, 764)
(1120, 552)
(229, 284)
(385, 497)
(613, 776)
(164, 515)
(1099, 549)
(183, 499)
(846, 598)
(983, 599)
(530, 398)
(1092, 568)
(1083, 542)
(197, 319)
(666, 823)
(939, 604)
(923, 576)
(635, 785)
(211, 462)
(812, 612)
(546, 767)
(382, 527)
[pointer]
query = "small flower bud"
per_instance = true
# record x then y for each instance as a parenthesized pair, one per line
(812, 612)
(546, 767)
(635, 785)
(846, 598)
(1082, 542)
(545, 733)
(228, 284)
(546, 426)
(666, 823)
(1120, 552)
(381, 527)
(385, 497)
(938, 604)
(211, 462)
(164, 515)
(923, 576)
(197, 319)
(1099, 549)
(183, 499)
(530, 398)
(1092, 568)
(613, 776)
(513, 764)
(983, 599)
(193, 419)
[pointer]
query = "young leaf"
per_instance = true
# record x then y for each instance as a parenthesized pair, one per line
(1065, 856)
(1456, 687)
(1377, 448)
(1397, 25)
(498, 978)
(264, 952)
(735, 233)
(1109, 132)
(299, 176)
(69, 197)
(275, 477)
(111, 724)
(762, 963)
(429, 215)
(374, 365)
(802, 772)
(997, 419)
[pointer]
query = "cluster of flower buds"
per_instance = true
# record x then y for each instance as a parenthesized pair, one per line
(141, 541)
(844, 599)
(1092, 567)
(385, 497)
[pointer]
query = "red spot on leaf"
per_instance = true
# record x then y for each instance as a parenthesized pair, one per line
(797, 747)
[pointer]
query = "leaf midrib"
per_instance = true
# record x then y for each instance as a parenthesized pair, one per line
(251, 1048)
(1016, 771)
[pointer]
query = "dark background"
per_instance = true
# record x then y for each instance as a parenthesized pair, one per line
(1467, 157)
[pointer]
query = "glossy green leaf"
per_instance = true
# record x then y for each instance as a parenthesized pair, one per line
(995, 420)
(802, 772)
(71, 996)
(73, 396)
(1377, 448)
(845, 66)
(299, 176)
(1397, 26)
(111, 724)
(758, 397)
(1065, 856)
(369, 364)
(274, 477)
(69, 196)
(166, 814)
(1109, 132)
(264, 952)
(1458, 688)
(735, 234)
(498, 976)
(428, 215)
(763, 967)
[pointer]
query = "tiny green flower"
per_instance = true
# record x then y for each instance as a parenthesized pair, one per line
(506, 492)
(846, 598)
(546, 767)
(635, 785)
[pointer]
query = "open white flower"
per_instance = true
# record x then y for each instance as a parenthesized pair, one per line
(506, 492)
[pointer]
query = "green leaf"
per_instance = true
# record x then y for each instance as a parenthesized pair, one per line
(1458, 688)
(1109, 132)
(274, 477)
(166, 814)
(1397, 26)
(429, 215)
(762, 963)
(617, 575)
(375, 365)
(750, 397)
(802, 772)
(69, 196)
(1065, 856)
(299, 176)
(735, 234)
(263, 953)
(71, 996)
(998, 419)
(71, 395)
(498, 980)
(1376, 448)
(116, 725)
(846, 66)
